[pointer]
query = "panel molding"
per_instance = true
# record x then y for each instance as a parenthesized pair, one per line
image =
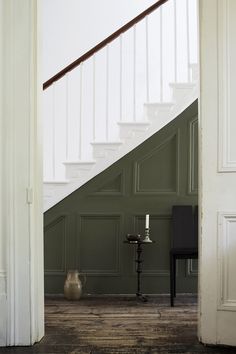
(62, 218)
(224, 221)
(107, 193)
(225, 163)
(108, 216)
(190, 271)
(137, 190)
(192, 190)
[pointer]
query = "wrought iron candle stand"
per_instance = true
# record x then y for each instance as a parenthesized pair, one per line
(139, 261)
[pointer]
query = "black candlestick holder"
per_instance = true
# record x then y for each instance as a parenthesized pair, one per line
(139, 262)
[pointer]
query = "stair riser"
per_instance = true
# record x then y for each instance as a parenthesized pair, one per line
(77, 170)
(104, 150)
(73, 172)
(50, 190)
(156, 113)
(180, 93)
(126, 133)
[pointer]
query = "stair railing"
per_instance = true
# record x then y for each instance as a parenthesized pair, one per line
(110, 83)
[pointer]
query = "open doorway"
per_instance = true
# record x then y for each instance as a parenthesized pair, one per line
(225, 166)
(120, 148)
(86, 229)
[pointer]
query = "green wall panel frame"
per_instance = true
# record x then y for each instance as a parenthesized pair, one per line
(86, 231)
(192, 267)
(163, 161)
(55, 235)
(112, 187)
(99, 244)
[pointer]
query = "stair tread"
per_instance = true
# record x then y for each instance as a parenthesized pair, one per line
(106, 142)
(79, 162)
(66, 181)
(182, 84)
(134, 123)
(162, 104)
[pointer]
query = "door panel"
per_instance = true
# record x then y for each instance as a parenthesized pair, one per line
(218, 172)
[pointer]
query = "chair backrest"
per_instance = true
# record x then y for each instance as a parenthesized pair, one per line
(196, 226)
(183, 235)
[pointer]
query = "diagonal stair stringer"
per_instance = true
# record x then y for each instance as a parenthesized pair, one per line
(157, 115)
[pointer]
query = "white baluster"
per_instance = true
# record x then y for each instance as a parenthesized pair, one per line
(134, 73)
(161, 58)
(53, 134)
(67, 116)
(121, 76)
(107, 92)
(188, 43)
(94, 97)
(175, 42)
(147, 60)
(80, 112)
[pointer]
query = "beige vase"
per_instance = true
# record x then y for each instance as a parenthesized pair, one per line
(73, 285)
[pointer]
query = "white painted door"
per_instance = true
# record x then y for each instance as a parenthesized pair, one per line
(217, 314)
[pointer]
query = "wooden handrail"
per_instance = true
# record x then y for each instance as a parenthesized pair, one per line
(102, 44)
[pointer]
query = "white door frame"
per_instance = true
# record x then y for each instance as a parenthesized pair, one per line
(22, 212)
(22, 177)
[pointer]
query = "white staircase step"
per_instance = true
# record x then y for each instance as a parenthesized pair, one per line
(56, 182)
(181, 91)
(53, 186)
(158, 111)
(77, 169)
(103, 148)
(106, 153)
(131, 129)
(53, 189)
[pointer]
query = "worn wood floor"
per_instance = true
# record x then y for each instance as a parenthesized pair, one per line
(120, 325)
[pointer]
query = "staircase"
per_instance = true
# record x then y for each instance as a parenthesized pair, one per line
(118, 94)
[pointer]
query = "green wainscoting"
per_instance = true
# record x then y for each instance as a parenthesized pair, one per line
(86, 230)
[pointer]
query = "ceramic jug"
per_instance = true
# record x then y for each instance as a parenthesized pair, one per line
(73, 285)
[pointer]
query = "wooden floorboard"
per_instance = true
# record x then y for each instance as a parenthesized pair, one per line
(110, 325)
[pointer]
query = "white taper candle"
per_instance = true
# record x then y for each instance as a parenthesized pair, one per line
(147, 222)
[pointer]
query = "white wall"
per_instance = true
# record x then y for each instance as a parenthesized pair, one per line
(71, 27)
(2, 243)
(2, 260)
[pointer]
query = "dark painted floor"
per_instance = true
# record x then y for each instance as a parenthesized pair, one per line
(120, 325)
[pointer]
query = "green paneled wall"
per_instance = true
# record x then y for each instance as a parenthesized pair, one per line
(86, 230)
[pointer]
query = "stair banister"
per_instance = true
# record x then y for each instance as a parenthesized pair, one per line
(118, 94)
(102, 44)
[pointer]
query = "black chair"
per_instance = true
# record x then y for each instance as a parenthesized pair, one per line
(184, 243)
